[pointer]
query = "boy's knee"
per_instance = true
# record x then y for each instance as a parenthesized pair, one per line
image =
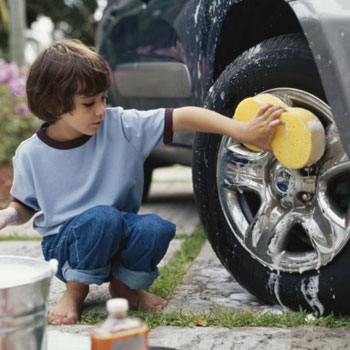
(159, 230)
(167, 229)
(102, 219)
(108, 215)
(97, 235)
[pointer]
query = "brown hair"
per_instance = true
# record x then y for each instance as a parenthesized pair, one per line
(66, 68)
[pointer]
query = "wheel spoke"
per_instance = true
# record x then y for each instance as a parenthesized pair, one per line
(244, 169)
(321, 233)
(239, 153)
(267, 233)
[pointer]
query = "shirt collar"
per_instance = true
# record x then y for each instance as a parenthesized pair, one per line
(42, 135)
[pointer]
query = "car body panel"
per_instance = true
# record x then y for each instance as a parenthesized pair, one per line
(326, 24)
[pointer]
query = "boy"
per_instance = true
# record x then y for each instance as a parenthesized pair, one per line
(83, 170)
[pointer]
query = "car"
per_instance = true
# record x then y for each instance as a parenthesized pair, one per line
(172, 53)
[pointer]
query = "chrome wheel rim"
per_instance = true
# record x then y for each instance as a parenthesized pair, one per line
(288, 220)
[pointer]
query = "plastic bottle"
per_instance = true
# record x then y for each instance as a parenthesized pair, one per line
(120, 332)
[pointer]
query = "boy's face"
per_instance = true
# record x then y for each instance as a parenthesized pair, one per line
(87, 115)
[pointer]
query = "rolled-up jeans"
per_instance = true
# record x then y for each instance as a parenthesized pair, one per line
(104, 243)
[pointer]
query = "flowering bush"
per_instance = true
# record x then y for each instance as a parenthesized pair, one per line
(16, 122)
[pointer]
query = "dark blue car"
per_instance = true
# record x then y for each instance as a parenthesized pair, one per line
(282, 233)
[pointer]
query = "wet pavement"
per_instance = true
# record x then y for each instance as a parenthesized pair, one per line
(205, 285)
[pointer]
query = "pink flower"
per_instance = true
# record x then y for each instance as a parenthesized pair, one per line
(17, 86)
(12, 72)
(8, 72)
(21, 110)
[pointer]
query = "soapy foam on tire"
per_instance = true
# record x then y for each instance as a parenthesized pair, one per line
(310, 288)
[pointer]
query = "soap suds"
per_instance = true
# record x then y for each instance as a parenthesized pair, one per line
(310, 288)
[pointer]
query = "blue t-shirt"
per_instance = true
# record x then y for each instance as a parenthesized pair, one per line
(63, 179)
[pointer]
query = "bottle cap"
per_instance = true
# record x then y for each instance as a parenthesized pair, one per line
(117, 305)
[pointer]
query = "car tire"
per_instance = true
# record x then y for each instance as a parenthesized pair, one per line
(283, 61)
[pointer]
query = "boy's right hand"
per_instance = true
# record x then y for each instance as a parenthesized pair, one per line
(8, 216)
(260, 130)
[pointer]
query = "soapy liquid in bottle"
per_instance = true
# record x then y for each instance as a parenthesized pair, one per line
(120, 332)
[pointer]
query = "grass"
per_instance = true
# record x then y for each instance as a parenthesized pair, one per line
(172, 273)
(18, 237)
(181, 236)
(220, 317)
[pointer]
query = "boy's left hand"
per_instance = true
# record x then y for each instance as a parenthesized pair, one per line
(260, 130)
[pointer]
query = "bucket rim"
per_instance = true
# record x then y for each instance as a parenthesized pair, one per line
(44, 265)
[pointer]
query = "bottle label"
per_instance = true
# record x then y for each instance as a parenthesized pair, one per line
(137, 343)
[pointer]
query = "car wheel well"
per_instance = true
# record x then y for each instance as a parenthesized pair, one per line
(239, 34)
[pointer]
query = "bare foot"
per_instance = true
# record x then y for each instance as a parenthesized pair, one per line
(67, 310)
(136, 298)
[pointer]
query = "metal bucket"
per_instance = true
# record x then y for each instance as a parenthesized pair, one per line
(24, 288)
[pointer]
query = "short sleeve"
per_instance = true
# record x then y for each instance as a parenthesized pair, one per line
(22, 189)
(146, 130)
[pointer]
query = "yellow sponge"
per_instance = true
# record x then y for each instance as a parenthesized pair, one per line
(249, 108)
(299, 143)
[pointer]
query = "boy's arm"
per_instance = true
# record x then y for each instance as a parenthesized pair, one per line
(15, 214)
(258, 132)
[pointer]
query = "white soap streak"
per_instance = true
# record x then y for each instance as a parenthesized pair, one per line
(199, 70)
(274, 279)
(274, 285)
(276, 258)
(197, 12)
(256, 232)
(310, 288)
